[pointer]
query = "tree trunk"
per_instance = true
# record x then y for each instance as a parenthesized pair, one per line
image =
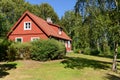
(114, 67)
(98, 45)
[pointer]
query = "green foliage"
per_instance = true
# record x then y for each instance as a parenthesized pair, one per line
(119, 50)
(87, 51)
(76, 50)
(95, 52)
(47, 50)
(24, 50)
(72, 25)
(39, 50)
(12, 52)
(90, 51)
(19, 51)
(105, 49)
(45, 11)
(3, 49)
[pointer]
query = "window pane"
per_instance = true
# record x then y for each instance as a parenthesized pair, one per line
(68, 44)
(27, 26)
(19, 40)
(35, 38)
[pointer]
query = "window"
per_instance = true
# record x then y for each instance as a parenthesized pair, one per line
(27, 25)
(60, 31)
(34, 38)
(18, 39)
(68, 44)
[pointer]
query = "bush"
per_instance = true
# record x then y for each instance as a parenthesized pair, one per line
(12, 52)
(90, 51)
(24, 50)
(43, 50)
(19, 51)
(118, 49)
(105, 49)
(4, 44)
(77, 51)
(87, 51)
(95, 52)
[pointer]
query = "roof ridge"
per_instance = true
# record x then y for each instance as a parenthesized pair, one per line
(54, 24)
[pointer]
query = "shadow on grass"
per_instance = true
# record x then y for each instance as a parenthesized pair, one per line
(80, 63)
(112, 77)
(4, 68)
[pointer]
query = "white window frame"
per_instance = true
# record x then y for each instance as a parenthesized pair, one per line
(25, 25)
(36, 38)
(19, 38)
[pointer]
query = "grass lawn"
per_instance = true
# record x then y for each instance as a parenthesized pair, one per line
(74, 67)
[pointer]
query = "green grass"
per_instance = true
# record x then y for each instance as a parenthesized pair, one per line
(73, 67)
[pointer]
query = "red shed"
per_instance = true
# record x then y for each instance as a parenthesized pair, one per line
(31, 27)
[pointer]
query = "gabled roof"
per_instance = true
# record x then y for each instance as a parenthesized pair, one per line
(51, 30)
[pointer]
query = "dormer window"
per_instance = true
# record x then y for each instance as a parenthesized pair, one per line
(27, 25)
(60, 31)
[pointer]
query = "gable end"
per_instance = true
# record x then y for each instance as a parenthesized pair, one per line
(38, 26)
(20, 20)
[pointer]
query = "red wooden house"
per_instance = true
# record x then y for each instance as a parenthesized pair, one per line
(30, 27)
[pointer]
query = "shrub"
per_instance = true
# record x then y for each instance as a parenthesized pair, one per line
(90, 51)
(77, 51)
(87, 51)
(24, 50)
(95, 52)
(19, 51)
(118, 49)
(3, 49)
(47, 50)
(12, 52)
(61, 50)
(105, 48)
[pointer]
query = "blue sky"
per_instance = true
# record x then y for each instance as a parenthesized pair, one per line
(59, 6)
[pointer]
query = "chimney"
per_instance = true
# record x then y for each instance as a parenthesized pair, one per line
(49, 20)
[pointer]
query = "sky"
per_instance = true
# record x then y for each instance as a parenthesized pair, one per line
(59, 6)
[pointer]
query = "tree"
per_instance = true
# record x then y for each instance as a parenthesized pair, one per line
(72, 24)
(10, 11)
(4, 25)
(115, 32)
(102, 16)
(45, 11)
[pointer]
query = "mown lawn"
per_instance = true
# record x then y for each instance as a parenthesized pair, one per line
(73, 67)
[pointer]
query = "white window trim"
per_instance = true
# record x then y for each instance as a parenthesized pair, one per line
(25, 25)
(19, 38)
(34, 38)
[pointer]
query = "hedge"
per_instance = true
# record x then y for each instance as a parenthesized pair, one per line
(50, 49)
(19, 51)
